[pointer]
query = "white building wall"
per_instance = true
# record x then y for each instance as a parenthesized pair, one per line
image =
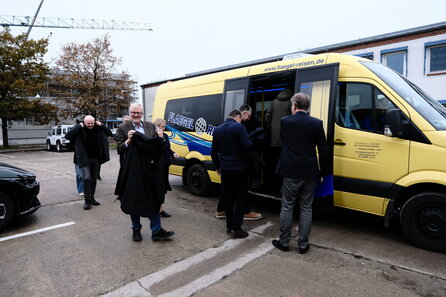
(148, 98)
(434, 85)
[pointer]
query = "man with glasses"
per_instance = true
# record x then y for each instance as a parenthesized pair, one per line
(124, 135)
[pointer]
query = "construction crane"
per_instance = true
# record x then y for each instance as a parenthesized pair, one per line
(70, 23)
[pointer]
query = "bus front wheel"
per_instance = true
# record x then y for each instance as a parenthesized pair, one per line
(423, 220)
(198, 180)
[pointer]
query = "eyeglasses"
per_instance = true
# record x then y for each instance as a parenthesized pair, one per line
(136, 112)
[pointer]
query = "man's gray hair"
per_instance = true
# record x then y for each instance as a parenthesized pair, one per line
(301, 101)
(133, 105)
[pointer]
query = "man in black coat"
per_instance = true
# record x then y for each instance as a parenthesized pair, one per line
(90, 140)
(230, 150)
(298, 164)
(256, 165)
(136, 203)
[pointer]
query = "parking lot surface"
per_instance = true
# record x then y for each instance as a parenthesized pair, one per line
(73, 252)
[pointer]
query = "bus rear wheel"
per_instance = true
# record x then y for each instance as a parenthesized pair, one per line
(198, 180)
(423, 220)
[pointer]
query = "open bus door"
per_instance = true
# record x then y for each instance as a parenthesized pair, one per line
(320, 84)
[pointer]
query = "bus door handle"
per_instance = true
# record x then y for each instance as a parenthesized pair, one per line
(339, 142)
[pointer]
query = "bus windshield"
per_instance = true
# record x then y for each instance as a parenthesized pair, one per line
(429, 108)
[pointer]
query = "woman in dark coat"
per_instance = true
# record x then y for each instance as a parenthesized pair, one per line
(160, 125)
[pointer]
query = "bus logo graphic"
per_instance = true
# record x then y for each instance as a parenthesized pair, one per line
(200, 126)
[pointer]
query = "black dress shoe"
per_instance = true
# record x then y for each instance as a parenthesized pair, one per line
(94, 202)
(165, 214)
(87, 205)
(239, 233)
(280, 246)
(162, 235)
(136, 235)
(304, 250)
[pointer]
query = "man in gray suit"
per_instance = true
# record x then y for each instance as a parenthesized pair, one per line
(123, 138)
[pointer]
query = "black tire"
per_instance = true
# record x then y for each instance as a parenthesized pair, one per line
(6, 210)
(198, 180)
(423, 220)
(48, 145)
(58, 147)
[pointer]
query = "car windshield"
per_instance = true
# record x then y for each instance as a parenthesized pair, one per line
(430, 109)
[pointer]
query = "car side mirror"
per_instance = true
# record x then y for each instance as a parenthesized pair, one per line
(49, 133)
(394, 124)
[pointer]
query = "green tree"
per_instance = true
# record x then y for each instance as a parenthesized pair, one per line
(89, 83)
(22, 74)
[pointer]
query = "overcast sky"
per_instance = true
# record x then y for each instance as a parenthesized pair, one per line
(195, 35)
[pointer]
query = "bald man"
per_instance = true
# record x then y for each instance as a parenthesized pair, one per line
(90, 139)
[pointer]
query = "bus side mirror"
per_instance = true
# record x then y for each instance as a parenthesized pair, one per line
(394, 125)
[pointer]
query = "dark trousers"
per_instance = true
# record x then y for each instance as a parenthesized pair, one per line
(89, 178)
(234, 192)
(221, 202)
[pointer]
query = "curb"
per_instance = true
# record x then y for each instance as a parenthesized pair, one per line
(21, 149)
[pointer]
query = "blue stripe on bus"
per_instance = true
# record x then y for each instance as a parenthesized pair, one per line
(193, 143)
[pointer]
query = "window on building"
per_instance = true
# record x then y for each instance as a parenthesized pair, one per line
(435, 56)
(395, 59)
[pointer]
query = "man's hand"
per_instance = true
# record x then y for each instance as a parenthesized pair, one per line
(82, 124)
(129, 136)
(218, 172)
(98, 123)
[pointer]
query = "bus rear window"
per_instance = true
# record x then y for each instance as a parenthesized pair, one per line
(200, 114)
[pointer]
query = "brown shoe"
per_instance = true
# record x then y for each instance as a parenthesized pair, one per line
(252, 216)
(239, 233)
(220, 215)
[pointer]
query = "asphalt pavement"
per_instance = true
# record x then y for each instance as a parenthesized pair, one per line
(73, 252)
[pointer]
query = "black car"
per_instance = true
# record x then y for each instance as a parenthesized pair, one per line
(18, 193)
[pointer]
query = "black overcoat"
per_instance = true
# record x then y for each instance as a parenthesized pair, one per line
(77, 137)
(167, 154)
(141, 180)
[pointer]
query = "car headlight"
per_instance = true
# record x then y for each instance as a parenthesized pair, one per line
(28, 181)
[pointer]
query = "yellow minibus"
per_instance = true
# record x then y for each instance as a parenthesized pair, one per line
(387, 137)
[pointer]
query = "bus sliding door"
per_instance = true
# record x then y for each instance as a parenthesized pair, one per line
(320, 84)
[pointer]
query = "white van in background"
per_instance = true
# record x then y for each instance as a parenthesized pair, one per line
(56, 138)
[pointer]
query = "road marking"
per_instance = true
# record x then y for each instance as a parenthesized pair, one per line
(35, 231)
(142, 286)
(220, 273)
